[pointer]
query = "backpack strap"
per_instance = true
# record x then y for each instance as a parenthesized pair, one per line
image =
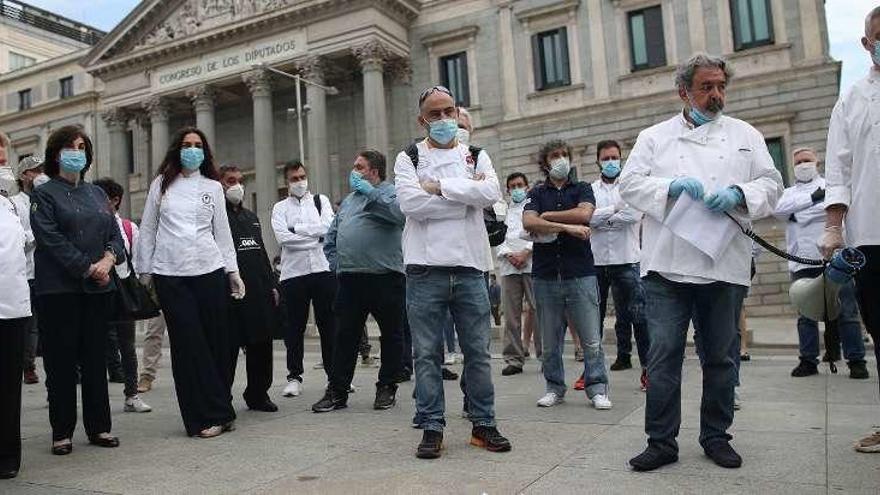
(412, 151)
(317, 199)
(475, 154)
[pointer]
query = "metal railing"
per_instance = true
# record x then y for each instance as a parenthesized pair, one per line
(50, 22)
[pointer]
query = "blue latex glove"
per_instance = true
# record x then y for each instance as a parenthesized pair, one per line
(686, 184)
(725, 199)
(358, 183)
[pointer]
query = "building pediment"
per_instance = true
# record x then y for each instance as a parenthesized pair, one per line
(165, 28)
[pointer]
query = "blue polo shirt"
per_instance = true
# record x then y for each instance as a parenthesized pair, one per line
(567, 257)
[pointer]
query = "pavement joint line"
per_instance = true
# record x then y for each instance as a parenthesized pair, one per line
(69, 489)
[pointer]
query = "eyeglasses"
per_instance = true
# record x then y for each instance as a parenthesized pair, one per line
(428, 92)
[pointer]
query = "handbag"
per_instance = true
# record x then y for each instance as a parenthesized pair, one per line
(133, 301)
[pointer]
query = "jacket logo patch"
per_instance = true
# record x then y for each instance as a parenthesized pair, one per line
(470, 160)
(248, 244)
(206, 199)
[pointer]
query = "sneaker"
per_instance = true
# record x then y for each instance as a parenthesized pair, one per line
(723, 454)
(386, 397)
(643, 380)
(488, 437)
(651, 459)
(745, 357)
(621, 364)
(579, 355)
(580, 383)
(511, 370)
(293, 389)
(449, 375)
(805, 368)
(858, 371)
(135, 404)
(145, 384)
(318, 366)
(601, 402)
(330, 402)
(870, 444)
(449, 359)
(431, 445)
(550, 399)
(30, 377)
(737, 399)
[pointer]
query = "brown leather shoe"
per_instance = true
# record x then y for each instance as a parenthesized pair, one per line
(145, 384)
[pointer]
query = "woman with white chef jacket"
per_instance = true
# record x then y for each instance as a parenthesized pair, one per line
(185, 250)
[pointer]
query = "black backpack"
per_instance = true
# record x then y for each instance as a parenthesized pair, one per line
(496, 229)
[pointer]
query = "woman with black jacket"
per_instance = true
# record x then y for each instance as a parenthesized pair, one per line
(78, 243)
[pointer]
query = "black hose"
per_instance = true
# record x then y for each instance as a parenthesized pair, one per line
(773, 249)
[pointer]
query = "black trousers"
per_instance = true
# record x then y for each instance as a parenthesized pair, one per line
(317, 290)
(73, 332)
(11, 363)
(868, 294)
(360, 295)
(258, 360)
(196, 311)
(121, 356)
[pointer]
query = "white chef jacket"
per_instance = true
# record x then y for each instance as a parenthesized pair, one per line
(446, 230)
(15, 298)
(852, 160)
(719, 154)
(22, 204)
(185, 232)
(513, 243)
(801, 236)
(615, 235)
(122, 268)
(302, 251)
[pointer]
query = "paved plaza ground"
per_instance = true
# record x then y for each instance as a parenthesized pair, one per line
(795, 436)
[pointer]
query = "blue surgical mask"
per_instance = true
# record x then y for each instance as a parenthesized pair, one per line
(353, 178)
(518, 195)
(443, 131)
(875, 53)
(559, 168)
(611, 168)
(699, 118)
(191, 158)
(72, 161)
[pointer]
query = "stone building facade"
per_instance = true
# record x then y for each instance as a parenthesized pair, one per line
(528, 70)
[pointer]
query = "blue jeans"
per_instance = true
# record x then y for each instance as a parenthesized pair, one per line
(578, 298)
(625, 286)
(848, 325)
(431, 294)
(669, 308)
(449, 334)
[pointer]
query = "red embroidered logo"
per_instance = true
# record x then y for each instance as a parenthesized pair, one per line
(470, 161)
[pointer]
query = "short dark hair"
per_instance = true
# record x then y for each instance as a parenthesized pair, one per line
(110, 187)
(228, 169)
(376, 161)
(547, 148)
(605, 144)
(58, 140)
(516, 175)
(293, 165)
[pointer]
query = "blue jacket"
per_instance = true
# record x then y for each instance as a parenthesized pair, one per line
(365, 235)
(73, 227)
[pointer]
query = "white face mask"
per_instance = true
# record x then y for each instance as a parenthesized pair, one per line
(235, 194)
(464, 136)
(8, 186)
(298, 189)
(40, 180)
(805, 172)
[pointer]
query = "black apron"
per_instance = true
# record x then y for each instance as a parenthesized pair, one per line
(255, 316)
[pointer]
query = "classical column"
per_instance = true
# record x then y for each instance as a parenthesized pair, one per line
(597, 50)
(116, 121)
(509, 90)
(259, 83)
(316, 118)
(203, 102)
(157, 109)
(372, 58)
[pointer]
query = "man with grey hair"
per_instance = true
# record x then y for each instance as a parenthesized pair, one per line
(719, 167)
(853, 152)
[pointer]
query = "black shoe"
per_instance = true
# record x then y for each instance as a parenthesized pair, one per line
(62, 449)
(621, 364)
(266, 406)
(449, 375)
(116, 377)
(858, 371)
(330, 402)
(651, 459)
(489, 438)
(805, 368)
(107, 442)
(745, 357)
(404, 376)
(8, 475)
(723, 454)
(431, 445)
(511, 370)
(386, 397)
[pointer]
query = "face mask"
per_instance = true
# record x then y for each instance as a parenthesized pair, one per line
(875, 53)
(443, 131)
(8, 186)
(559, 168)
(235, 194)
(353, 178)
(464, 136)
(805, 172)
(192, 158)
(611, 168)
(40, 180)
(72, 161)
(699, 117)
(518, 195)
(298, 189)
